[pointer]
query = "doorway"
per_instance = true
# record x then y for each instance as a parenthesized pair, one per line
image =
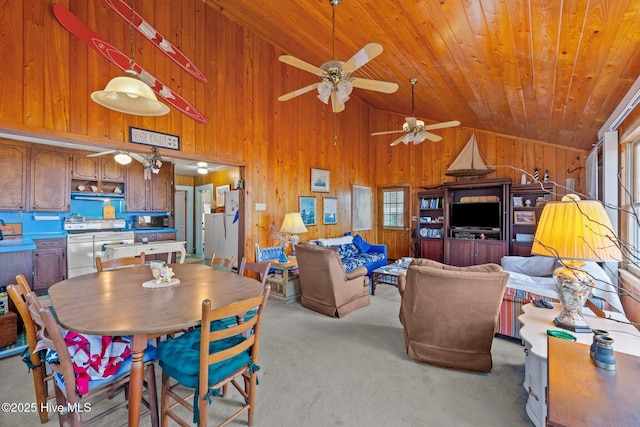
(184, 218)
(204, 195)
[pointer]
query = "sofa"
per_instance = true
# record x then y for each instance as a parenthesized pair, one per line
(532, 278)
(449, 314)
(325, 286)
(355, 252)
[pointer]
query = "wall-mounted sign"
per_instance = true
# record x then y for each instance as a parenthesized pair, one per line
(155, 139)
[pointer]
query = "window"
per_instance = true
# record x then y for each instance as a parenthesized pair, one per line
(630, 222)
(394, 208)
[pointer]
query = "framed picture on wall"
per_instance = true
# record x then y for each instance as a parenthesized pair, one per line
(319, 181)
(330, 210)
(524, 217)
(220, 190)
(308, 210)
(362, 208)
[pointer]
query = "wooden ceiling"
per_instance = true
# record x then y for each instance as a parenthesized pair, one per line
(549, 70)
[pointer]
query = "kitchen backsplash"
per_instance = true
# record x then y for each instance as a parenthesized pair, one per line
(51, 222)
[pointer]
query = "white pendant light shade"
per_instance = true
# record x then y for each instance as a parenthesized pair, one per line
(128, 94)
(122, 158)
(324, 91)
(203, 171)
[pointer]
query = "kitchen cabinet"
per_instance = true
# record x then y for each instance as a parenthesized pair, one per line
(49, 263)
(464, 252)
(14, 263)
(13, 175)
(50, 184)
(149, 195)
(102, 172)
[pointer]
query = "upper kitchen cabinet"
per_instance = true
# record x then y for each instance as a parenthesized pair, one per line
(50, 184)
(149, 195)
(103, 168)
(13, 175)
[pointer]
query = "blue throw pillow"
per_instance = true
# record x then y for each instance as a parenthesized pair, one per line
(361, 243)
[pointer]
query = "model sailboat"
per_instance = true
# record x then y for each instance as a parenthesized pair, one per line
(469, 162)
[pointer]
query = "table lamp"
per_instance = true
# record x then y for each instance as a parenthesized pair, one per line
(291, 226)
(574, 231)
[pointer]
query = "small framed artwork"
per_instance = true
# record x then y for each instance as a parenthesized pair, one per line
(319, 181)
(517, 202)
(524, 217)
(330, 210)
(220, 190)
(362, 208)
(308, 210)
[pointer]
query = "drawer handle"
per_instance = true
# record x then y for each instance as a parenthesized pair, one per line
(526, 351)
(533, 394)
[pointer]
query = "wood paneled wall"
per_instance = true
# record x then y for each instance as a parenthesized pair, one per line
(47, 75)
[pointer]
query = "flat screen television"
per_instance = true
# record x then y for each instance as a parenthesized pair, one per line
(478, 215)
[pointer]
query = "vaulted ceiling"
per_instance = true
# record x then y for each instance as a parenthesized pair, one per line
(549, 70)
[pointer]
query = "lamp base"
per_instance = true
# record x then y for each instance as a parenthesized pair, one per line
(574, 287)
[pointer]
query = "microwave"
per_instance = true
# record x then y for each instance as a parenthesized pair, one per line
(150, 221)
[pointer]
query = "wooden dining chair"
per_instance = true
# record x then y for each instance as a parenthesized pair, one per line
(41, 380)
(223, 264)
(260, 270)
(65, 385)
(111, 264)
(229, 355)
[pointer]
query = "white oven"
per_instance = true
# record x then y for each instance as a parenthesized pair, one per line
(84, 247)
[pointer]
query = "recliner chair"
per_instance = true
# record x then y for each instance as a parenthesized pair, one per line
(324, 284)
(450, 313)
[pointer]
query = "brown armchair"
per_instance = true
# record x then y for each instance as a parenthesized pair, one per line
(325, 286)
(450, 313)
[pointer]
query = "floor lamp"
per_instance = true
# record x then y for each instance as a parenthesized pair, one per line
(574, 231)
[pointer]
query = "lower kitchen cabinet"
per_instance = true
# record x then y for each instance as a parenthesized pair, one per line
(49, 263)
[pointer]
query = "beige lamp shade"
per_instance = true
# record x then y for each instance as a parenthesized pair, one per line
(128, 94)
(293, 224)
(575, 229)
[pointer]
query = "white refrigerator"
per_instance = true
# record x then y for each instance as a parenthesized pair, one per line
(222, 230)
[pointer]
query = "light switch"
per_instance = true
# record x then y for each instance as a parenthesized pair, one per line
(261, 206)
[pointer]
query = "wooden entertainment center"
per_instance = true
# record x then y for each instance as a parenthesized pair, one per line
(504, 226)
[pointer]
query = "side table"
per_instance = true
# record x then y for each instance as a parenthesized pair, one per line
(535, 322)
(284, 280)
(388, 274)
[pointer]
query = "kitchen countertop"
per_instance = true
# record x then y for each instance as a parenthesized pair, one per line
(12, 244)
(155, 230)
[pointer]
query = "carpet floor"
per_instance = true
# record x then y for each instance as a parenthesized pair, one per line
(320, 371)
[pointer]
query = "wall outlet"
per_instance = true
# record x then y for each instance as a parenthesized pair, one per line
(261, 206)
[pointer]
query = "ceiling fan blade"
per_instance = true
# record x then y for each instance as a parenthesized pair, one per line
(364, 55)
(431, 136)
(299, 63)
(297, 92)
(138, 157)
(376, 85)
(387, 132)
(452, 123)
(397, 141)
(102, 153)
(336, 105)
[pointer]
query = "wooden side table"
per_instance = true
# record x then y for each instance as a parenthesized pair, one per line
(284, 280)
(581, 394)
(535, 322)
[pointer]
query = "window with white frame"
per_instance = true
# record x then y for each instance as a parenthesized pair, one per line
(632, 225)
(394, 208)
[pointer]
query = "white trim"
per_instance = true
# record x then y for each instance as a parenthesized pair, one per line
(628, 103)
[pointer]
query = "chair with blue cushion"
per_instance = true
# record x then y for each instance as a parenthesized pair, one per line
(209, 358)
(67, 394)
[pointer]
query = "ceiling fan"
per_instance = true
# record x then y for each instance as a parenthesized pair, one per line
(151, 163)
(336, 81)
(415, 130)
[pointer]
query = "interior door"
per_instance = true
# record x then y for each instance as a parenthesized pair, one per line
(180, 210)
(188, 216)
(202, 206)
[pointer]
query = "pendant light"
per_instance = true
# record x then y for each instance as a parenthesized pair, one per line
(128, 94)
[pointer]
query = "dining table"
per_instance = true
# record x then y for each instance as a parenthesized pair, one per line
(115, 303)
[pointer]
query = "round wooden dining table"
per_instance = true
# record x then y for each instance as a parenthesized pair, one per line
(115, 303)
